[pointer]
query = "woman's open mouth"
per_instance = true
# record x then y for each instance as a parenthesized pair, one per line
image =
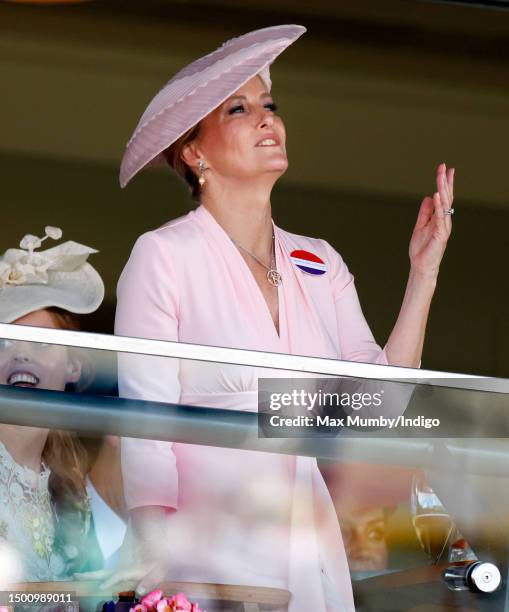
(22, 379)
(270, 140)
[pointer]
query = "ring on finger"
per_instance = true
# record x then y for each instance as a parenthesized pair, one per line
(449, 211)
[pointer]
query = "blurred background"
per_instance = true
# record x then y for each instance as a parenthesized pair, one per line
(374, 96)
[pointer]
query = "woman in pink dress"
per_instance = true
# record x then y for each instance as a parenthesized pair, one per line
(225, 275)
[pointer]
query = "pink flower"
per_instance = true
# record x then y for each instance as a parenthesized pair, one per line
(155, 602)
(150, 600)
(180, 602)
(164, 605)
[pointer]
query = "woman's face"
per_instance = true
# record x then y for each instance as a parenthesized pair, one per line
(35, 364)
(364, 539)
(244, 137)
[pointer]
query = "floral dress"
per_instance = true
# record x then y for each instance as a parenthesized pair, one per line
(27, 523)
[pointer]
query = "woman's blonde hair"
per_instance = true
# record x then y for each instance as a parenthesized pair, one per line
(63, 452)
(173, 156)
(68, 462)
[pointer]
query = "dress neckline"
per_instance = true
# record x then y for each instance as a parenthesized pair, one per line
(28, 477)
(208, 219)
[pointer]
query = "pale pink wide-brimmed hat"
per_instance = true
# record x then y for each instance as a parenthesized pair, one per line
(201, 87)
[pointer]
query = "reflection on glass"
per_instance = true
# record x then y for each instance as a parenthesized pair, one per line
(434, 527)
(460, 551)
(46, 525)
(364, 540)
(367, 499)
(42, 491)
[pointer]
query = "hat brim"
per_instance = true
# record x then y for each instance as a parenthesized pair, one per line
(80, 292)
(199, 89)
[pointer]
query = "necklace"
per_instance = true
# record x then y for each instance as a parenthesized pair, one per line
(273, 276)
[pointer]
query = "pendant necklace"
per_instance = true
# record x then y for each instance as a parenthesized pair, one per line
(273, 276)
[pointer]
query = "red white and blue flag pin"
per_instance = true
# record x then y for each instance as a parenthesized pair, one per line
(308, 262)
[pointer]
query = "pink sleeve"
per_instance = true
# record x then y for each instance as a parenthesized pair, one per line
(147, 307)
(356, 341)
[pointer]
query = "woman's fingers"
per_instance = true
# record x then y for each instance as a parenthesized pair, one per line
(440, 216)
(450, 181)
(147, 579)
(152, 579)
(425, 213)
(440, 178)
(446, 202)
(445, 184)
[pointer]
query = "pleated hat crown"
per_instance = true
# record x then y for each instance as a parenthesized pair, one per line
(199, 88)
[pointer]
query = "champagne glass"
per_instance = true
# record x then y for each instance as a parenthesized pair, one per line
(433, 526)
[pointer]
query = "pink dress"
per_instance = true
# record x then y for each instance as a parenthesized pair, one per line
(242, 517)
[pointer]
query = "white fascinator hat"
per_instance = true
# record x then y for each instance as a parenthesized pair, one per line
(31, 280)
(201, 87)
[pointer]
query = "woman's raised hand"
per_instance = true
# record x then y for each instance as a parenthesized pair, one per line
(433, 226)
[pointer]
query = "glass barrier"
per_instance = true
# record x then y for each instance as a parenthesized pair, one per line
(226, 474)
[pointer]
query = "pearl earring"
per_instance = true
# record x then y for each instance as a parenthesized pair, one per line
(201, 168)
